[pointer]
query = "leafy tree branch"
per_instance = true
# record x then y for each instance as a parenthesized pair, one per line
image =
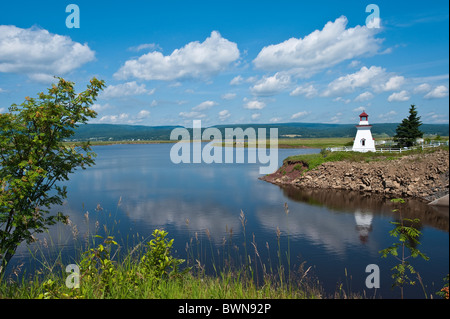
(33, 160)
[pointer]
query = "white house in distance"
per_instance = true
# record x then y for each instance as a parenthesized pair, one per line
(364, 141)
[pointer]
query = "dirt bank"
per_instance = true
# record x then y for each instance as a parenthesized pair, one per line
(424, 176)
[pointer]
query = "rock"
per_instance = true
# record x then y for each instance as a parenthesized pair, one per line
(391, 184)
(366, 181)
(423, 176)
(442, 201)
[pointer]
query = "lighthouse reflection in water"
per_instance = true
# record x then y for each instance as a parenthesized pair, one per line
(363, 224)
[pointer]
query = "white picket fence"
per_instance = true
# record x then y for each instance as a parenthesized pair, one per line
(389, 149)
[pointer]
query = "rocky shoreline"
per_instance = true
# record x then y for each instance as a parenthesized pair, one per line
(422, 176)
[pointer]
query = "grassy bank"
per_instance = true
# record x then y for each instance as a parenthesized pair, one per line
(314, 142)
(312, 161)
(128, 283)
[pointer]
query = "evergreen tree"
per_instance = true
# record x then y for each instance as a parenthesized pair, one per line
(408, 131)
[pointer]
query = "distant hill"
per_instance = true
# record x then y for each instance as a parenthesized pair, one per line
(119, 132)
(116, 132)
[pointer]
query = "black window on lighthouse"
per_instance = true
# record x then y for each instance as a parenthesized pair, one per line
(363, 142)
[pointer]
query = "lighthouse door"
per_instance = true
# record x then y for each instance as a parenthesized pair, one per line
(363, 142)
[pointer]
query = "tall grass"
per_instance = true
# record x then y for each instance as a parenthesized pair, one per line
(247, 264)
(235, 273)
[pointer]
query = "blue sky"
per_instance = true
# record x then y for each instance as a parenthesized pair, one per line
(172, 62)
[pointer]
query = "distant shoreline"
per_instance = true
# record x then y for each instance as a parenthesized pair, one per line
(283, 143)
(100, 143)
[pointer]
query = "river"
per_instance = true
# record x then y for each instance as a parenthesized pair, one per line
(134, 189)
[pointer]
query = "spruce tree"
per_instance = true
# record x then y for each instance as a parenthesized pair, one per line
(408, 131)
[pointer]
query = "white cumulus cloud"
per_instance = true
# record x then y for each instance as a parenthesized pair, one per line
(194, 60)
(401, 96)
(143, 114)
(125, 118)
(254, 105)
(364, 96)
(224, 114)
(394, 83)
(125, 89)
(120, 118)
(422, 88)
(320, 49)
(271, 85)
(39, 53)
(440, 91)
(374, 77)
(238, 79)
(348, 83)
(309, 91)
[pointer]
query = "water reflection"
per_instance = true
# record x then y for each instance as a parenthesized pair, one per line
(184, 215)
(334, 221)
(347, 201)
(363, 225)
(332, 233)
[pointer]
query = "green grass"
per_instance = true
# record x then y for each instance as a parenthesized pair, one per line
(228, 286)
(129, 283)
(312, 161)
(314, 142)
(303, 142)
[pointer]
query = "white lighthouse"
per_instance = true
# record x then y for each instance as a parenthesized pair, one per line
(364, 141)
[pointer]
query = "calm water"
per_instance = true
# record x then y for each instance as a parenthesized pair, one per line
(334, 232)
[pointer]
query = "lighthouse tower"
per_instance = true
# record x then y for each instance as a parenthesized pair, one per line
(364, 141)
